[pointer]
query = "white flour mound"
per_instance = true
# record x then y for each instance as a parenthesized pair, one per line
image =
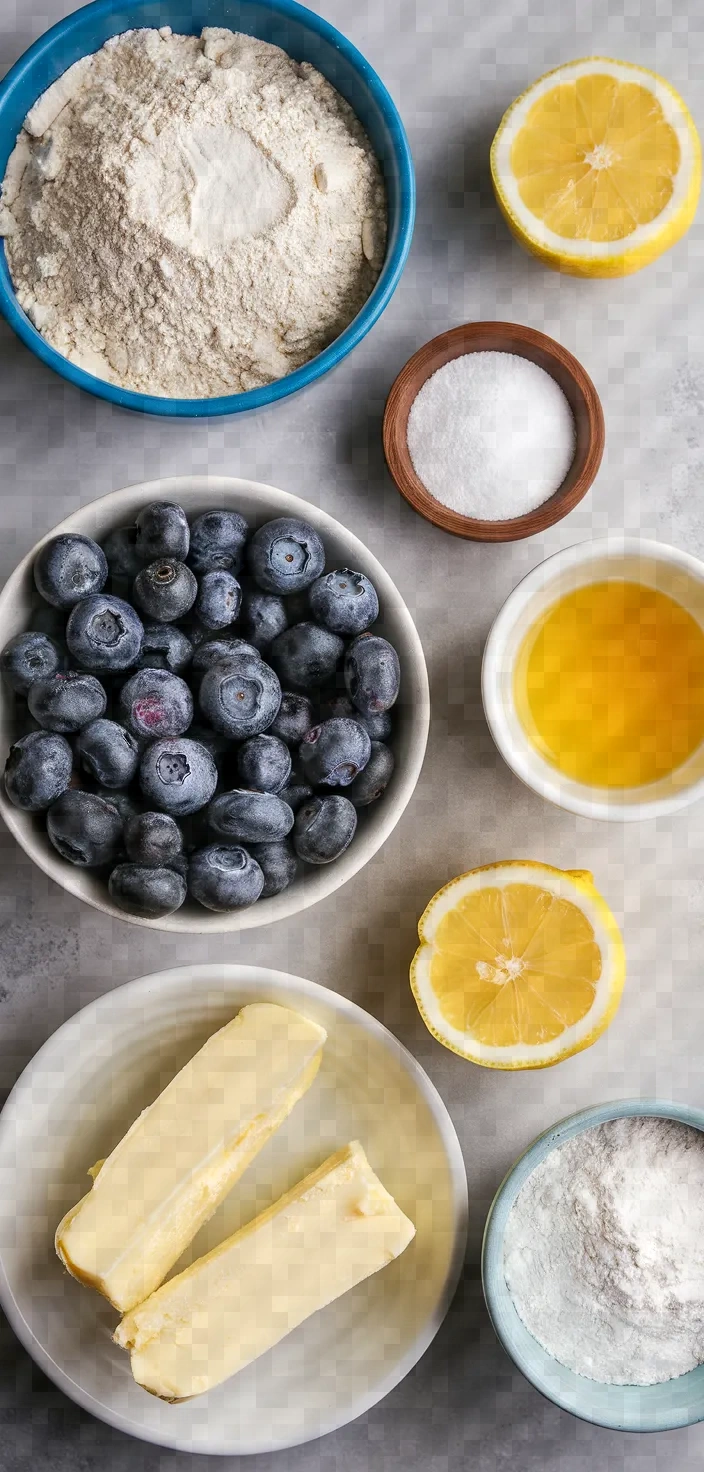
(192, 216)
(604, 1252)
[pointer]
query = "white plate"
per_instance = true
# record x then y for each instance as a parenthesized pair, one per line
(73, 1103)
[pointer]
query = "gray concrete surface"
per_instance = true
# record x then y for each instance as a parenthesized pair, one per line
(452, 66)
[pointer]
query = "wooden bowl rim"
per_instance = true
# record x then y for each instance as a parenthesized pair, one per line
(509, 337)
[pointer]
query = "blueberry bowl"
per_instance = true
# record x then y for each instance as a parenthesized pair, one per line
(305, 37)
(21, 608)
(664, 1407)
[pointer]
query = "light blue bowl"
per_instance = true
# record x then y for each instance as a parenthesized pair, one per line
(304, 36)
(664, 1407)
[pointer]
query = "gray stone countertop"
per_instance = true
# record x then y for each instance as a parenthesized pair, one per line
(452, 66)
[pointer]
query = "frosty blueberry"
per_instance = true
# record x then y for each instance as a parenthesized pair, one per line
(38, 770)
(104, 633)
(69, 567)
(107, 752)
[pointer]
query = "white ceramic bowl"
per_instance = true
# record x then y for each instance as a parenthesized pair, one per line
(258, 503)
(633, 558)
(81, 1092)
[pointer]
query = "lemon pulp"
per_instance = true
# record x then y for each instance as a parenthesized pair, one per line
(596, 158)
(609, 684)
(515, 965)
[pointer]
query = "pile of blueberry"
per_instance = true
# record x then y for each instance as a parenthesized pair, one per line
(213, 714)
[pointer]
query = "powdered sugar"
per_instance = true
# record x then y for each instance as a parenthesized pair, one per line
(491, 435)
(192, 216)
(604, 1252)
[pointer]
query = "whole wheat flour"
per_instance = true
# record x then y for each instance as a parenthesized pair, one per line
(192, 216)
(604, 1251)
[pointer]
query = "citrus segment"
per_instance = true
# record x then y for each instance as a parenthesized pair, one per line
(519, 964)
(597, 167)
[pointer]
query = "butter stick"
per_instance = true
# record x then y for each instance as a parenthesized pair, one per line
(183, 1155)
(335, 1228)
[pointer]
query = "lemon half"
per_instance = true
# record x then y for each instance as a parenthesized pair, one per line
(597, 167)
(520, 965)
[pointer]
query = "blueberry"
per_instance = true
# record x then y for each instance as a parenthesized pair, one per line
(165, 648)
(378, 726)
(165, 590)
(104, 633)
(295, 717)
(345, 601)
(123, 559)
(177, 775)
(67, 701)
(162, 531)
(296, 795)
(155, 703)
(241, 697)
(153, 840)
(38, 770)
(85, 829)
(217, 541)
(69, 567)
(150, 893)
(306, 655)
(29, 657)
(285, 555)
(222, 877)
(324, 828)
(265, 617)
(219, 599)
(372, 674)
(215, 651)
(264, 763)
(373, 781)
(278, 864)
(334, 753)
(249, 817)
(107, 752)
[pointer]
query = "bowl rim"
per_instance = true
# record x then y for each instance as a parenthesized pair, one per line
(231, 976)
(330, 877)
(492, 1272)
(323, 362)
(550, 785)
(472, 337)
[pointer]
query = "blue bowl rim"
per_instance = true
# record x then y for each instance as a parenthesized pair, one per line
(492, 1244)
(366, 318)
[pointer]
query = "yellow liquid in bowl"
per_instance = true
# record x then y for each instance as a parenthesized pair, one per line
(609, 684)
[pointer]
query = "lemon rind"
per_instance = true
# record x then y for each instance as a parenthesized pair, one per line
(576, 886)
(646, 242)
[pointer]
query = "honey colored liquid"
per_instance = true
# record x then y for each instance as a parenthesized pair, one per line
(609, 684)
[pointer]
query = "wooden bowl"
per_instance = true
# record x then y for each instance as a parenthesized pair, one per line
(506, 337)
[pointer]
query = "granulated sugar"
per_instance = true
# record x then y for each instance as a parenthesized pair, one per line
(192, 216)
(491, 435)
(604, 1251)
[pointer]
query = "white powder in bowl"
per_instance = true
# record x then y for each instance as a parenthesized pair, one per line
(604, 1252)
(192, 216)
(491, 435)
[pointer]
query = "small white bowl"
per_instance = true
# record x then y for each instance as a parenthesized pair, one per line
(633, 558)
(258, 503)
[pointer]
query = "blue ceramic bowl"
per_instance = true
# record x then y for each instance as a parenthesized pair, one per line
(664, 1407)
(304, 36)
